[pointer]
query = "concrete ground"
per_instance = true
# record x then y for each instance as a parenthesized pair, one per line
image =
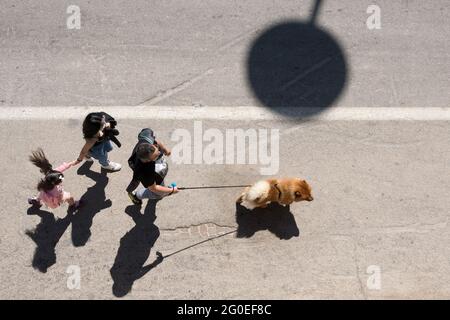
(378, 227)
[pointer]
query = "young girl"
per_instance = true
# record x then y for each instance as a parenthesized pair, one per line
(51, 192)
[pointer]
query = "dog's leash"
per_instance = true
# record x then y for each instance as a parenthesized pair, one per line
(213, 187)
(160, 255)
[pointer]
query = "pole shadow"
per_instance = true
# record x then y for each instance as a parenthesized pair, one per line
(46, 235)
(134, 250)
(276, 218)
(297, 65)
(94, 200)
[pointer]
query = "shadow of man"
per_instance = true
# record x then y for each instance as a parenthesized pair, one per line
(134, 250)
(46, 236)
(94, 201)
(275, 218)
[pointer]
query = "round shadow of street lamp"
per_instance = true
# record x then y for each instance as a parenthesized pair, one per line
(296, 65)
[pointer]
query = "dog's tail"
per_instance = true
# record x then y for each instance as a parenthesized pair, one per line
(258, 191)
(39, 159)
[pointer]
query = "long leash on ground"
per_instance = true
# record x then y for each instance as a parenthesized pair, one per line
(198, 243)
(161, 257)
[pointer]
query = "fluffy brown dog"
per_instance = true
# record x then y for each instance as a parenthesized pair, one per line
(283, 191)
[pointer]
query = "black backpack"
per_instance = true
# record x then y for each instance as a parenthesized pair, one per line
(145, 136)
(110, 133)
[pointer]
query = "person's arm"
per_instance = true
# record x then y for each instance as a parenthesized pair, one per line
(85, 150)
(155, 188)
(64, 166)
(163, 148)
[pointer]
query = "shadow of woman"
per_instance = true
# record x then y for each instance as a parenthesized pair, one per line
(46, 236)
(134, 250)
(94, 200)
(275, 218)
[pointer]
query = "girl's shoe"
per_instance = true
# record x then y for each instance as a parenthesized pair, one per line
(34, 202)
(77, 204)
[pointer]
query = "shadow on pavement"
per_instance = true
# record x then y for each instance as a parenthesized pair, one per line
(46, 236)
(134, 250)
(94, 200)
(275, 218)
(297, 64)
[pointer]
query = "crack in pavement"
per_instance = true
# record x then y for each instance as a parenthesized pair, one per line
(357, 268)
(199, 225)
(238, 39)
(407, 228)
(164, 94)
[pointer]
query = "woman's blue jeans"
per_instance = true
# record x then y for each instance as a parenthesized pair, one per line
(100, 152)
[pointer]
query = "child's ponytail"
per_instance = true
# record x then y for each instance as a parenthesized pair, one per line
(39, 160)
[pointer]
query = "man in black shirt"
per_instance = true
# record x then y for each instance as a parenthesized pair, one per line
(143, 162)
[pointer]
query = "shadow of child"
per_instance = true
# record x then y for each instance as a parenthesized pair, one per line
(46, 236)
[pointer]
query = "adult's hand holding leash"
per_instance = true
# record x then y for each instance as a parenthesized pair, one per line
(174, 188)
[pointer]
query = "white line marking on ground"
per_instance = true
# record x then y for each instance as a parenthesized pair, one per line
(228, 113)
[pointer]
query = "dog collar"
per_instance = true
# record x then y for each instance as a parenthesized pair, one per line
(278, 189)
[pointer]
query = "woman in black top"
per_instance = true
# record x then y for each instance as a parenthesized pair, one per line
(97, 144)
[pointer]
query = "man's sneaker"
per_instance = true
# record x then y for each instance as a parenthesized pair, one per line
(88, 158)
(134, 198)
(112, 166)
